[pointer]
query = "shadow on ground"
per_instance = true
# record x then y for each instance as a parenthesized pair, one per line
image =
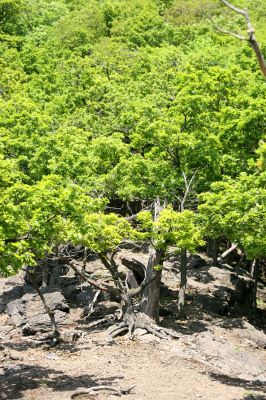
(257, 385)
(19, 378)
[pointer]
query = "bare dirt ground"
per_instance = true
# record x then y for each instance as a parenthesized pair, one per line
(215, 358)
(44, 373)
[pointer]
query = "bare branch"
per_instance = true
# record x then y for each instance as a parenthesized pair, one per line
(234, 8)
(228, 251)
(97, 285)
(251, 35)
(187, 190)
(15, 240)
(236, 35)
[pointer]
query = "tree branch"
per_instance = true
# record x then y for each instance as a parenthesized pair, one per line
(251, 35)
(234, 8)
(236, 35)
(135, 291)
(228, 251)
(97, 285)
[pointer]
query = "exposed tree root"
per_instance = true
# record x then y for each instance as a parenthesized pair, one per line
(132, 321)
(94, 389)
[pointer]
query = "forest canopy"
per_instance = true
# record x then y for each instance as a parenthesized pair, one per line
(109, 106)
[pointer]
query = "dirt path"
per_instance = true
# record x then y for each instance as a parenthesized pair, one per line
(53, 374)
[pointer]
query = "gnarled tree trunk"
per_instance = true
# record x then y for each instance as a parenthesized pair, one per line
(151, 295)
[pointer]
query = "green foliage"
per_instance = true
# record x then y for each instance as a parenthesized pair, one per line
(99, 232)
(237, 209)
(116, 101)
(172, 228)
(179, 229)
(262, 153)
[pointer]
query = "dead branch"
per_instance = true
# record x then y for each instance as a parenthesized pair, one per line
(188, 186)
(236, 35)
(228, 251)
(94, 389)
(108, 319)
(234, 8)
(251, 34)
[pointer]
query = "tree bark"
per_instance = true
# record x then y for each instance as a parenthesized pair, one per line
(56, 333)
(151, 295)
(215, 250)
(183, 283)
(209, 247)
(254, 273)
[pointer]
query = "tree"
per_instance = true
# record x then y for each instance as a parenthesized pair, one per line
(105, 107)
(237, 210)
(251, 35)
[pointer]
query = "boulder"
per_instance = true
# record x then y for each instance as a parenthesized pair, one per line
(223, 289)
(86, 295)
(196, 261)
(243, 330)
(28, 312)
(70, 292)
(16, 311)
(56, 301)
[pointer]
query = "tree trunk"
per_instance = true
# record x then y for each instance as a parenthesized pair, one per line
(183, 283)
(254, 273)
(151, 295)
(56, 333)
(215, 250)
(209, 247)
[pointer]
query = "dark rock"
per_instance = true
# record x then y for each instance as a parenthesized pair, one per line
(11, 291)
(42, 323)
(56, 301)
(70, 292)
(226, 290)
(34, 274)
(15, 307)
(196, 261)
(164, 291)
(16, 311)
(213, 304)
(85, 297)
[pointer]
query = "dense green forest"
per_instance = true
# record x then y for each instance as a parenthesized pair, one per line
(130, 120)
